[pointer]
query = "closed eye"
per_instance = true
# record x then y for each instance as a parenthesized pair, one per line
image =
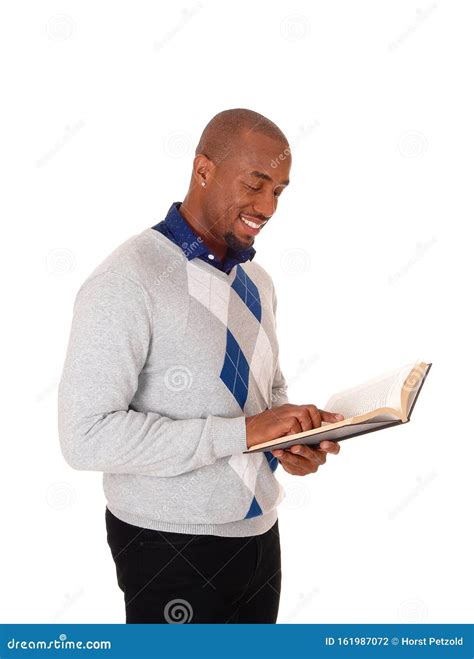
(249, 187)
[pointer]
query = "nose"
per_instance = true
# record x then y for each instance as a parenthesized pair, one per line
(265, 204)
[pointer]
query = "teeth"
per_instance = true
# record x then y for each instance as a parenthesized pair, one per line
(249, 223)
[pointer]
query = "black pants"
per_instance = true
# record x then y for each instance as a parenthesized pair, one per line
(183, 578)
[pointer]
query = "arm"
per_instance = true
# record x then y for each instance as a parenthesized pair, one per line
(108, 346)
(279, 387)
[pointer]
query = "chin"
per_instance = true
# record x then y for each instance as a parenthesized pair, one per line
(237, 244)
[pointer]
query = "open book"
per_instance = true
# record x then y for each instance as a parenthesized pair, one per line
(379, 403)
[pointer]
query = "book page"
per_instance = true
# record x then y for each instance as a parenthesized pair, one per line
(412, 385)
(383, 391)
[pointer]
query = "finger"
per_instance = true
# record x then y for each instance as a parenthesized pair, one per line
(299, 472)
(331, 417)
(294, 428)
(330, 447)
(320, 456)
(315, 415)
(309, 453)
(306, 467)
(290, 460)
(297, 463)
(304, 417)
(291, 470)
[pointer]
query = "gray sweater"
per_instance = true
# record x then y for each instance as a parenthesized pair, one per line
(166, 357)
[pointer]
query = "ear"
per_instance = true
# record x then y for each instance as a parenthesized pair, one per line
(203, 169)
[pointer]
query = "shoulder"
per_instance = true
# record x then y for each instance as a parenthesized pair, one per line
(139, 259)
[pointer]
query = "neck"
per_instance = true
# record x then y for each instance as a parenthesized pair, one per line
(192, 213)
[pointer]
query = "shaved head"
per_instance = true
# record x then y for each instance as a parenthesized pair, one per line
(222, 136)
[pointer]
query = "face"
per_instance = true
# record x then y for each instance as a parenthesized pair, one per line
(242, 192)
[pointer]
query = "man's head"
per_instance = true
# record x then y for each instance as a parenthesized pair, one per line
(241, 166)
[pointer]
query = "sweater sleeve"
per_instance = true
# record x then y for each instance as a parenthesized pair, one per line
(108, 346)
(279, 386)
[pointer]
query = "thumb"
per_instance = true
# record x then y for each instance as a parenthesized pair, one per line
(331, 417)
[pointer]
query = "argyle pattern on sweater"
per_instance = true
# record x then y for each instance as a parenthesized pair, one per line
(214, 294)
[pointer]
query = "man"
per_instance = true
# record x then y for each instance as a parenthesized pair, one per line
(172, 372)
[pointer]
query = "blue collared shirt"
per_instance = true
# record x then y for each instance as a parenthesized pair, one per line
(175, 227)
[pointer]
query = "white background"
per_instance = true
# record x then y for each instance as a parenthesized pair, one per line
(370, 252)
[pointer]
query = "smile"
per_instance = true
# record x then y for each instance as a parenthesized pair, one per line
(254, 226)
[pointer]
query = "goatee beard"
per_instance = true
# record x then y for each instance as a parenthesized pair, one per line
(234, 243)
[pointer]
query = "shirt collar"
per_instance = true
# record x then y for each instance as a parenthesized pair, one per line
(193, 246)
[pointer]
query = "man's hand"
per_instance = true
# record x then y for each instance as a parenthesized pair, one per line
(301, 460)
(285, 420)
(288, 420)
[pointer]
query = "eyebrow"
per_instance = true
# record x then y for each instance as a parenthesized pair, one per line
(258, 174)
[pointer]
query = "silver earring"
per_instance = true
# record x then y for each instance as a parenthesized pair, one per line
(203, 184)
